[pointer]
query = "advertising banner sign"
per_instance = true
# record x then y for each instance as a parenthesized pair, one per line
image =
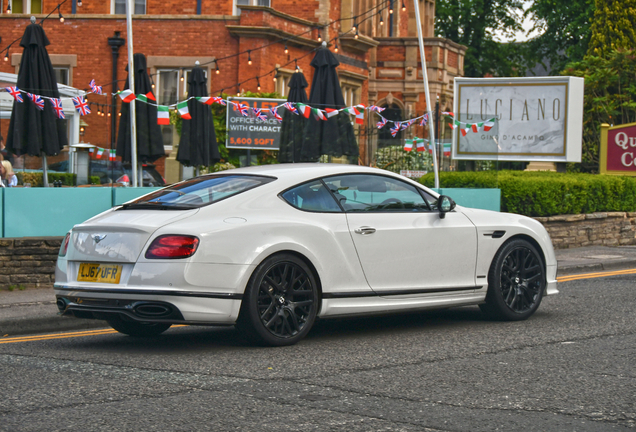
(537, 119)
(618, 149)
(248, 131)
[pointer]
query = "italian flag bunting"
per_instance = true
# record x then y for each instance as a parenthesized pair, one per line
(163, 115)
(151, 96)
(464, 131)
(126, 96)
(305, 111)
(205, 100)
(489, 124)
(112, 155)
(408, 145)
(183, 110)
(319, 114)
(100, 152)
(476, 127)
(419, 142)
(142, 98)
(331, 112)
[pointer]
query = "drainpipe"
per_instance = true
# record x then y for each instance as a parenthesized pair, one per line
(115, 43)
(198, 7)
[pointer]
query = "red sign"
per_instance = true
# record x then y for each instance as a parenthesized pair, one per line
(618, 149)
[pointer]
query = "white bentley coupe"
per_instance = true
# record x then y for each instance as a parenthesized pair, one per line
(271, 248)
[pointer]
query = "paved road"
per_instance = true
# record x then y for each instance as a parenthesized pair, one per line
(571, 367)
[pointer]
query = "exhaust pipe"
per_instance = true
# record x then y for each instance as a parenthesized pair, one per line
(152, 310)
(62, 304)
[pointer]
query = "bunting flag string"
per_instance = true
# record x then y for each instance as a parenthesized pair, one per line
(163, 112)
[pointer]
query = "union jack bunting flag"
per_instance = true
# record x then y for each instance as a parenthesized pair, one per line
(277, 116)
(37, 100)
(57, 107)
(397, 126)
(15, 92)
(81, 105)
(243, 109)
(260, 114)
(407, 124)
(381, 123)
(219, 100)
(376, 108)
(290, 107)
(424, 120)
(95, 88)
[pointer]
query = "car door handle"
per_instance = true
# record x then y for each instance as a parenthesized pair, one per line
(364, 230)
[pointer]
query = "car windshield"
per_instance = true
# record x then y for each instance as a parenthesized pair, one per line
(197, 192)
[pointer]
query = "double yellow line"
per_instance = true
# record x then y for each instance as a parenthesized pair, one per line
(595, 275)
(56, 336)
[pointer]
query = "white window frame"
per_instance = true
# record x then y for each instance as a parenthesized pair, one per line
(237, 11)
(282, 81)
(112, 7)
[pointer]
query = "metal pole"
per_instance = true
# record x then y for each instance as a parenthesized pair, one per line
(431, 127)
(130, 4)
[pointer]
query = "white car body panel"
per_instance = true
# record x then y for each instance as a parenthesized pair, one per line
(452, 254)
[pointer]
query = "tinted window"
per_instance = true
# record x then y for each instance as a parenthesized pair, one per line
(312, 196)
(367, 192)
(198, 192)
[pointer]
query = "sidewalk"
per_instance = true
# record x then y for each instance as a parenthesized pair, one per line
(34, 310)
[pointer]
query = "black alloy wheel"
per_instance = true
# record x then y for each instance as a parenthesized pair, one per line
(137, 329)
(280, 302)
(516, 282)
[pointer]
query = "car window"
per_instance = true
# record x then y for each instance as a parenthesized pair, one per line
(312, 196)
(375, 193)
(198, 192)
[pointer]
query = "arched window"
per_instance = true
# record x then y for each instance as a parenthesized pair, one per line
(385, 139)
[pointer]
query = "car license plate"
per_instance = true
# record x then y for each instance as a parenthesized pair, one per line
(107, 273)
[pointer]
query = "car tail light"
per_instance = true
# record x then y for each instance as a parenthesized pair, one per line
(125, 180)
(64, 246)
(172, 246)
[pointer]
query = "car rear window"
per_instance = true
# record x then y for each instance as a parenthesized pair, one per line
(198, 192)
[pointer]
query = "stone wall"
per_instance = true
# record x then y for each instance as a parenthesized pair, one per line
(29, 262)
(595, 229)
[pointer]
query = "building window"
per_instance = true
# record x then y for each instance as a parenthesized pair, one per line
(237, 3)
(119, 7)
(283, 77)
(26, 6)
(62, 75)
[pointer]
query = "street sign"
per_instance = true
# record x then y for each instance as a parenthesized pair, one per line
(249, 132)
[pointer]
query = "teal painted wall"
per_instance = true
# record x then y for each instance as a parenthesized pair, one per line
(33, 212)
(486, 199)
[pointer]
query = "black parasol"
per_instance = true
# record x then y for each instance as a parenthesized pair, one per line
(149, 138)
(293, 125)
(335, 136)
(198, 145)
(31, 130)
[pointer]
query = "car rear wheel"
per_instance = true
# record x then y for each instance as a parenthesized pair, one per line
(137, 329)
(280, 302)
(516, 282)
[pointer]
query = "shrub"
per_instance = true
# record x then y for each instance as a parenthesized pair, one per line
(36, 178)
(542, 193)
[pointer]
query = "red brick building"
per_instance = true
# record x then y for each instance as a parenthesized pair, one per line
(380, 66)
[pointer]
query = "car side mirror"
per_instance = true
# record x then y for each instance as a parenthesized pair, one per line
(445, 204)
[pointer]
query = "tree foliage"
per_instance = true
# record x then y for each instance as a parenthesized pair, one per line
(610, 95)
(613, 26)
(473, 23)
(565, 32)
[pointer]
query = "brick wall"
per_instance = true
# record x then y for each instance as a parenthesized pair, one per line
(595, 229)
(28, 261)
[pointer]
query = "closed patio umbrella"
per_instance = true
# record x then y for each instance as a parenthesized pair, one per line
(33, 131)
(334, 137)
(149, 138)
(293, 125)
(198, 145)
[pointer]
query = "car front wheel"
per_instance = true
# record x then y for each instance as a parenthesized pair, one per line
(516, 282)
(280, 302)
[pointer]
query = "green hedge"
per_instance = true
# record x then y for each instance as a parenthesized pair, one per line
(543, 193)
(36, 178)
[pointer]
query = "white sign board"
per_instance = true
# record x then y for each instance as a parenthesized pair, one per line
(538, 119)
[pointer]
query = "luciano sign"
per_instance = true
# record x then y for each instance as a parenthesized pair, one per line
(537, 119)
(618, 149)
